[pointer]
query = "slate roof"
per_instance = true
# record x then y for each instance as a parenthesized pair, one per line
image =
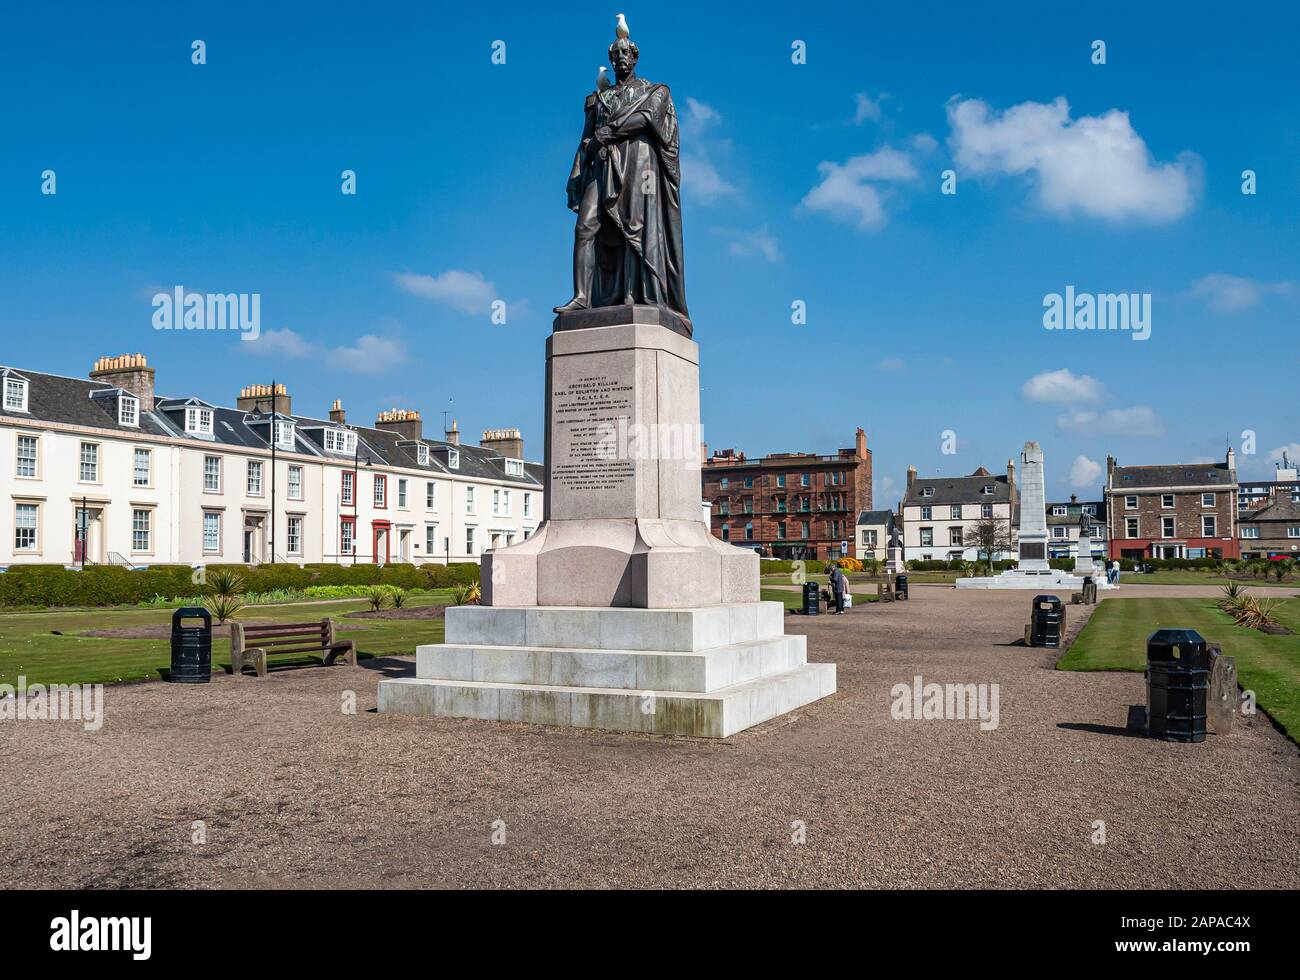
(958, 490)
(1173, 475)
(53, 398)
(1282, 510)
(1072, 511)
(885, 517)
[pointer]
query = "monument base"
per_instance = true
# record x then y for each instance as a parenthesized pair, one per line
(710, 671)
(1019, 578)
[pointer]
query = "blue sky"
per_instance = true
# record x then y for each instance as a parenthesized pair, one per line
(817, 182)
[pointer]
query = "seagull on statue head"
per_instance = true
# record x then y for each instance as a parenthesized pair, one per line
(620, 29)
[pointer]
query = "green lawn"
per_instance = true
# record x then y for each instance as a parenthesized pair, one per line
(46, 647)
(1115, 639)
(794, 600)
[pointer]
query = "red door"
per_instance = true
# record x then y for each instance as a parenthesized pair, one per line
(381, 537)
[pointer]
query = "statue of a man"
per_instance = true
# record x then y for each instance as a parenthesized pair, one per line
(626, 189)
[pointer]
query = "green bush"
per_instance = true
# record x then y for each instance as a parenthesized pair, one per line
(111, 585)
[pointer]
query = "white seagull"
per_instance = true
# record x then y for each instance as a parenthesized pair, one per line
(620, 29)
(602, 79)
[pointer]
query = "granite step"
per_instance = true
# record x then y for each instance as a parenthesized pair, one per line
(619, 628)
(642, 670)
(711, 714)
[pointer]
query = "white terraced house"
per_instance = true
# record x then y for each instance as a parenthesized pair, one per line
(102, 471)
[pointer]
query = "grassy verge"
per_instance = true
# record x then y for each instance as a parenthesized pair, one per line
(794, 600)
(48, 647)
(1115, 639)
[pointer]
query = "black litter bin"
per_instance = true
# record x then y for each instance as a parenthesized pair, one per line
(1178, 685)
(1047, 621)
(191, 647)
(812, 603)
(900, 587)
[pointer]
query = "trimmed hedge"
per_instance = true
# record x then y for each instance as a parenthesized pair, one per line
(111, 585)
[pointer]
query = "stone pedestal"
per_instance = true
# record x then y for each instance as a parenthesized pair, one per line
(1084, 563)
(710, 671)
(623, 521)
(622, 611)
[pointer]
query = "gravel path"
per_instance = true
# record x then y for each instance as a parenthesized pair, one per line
(295, 792)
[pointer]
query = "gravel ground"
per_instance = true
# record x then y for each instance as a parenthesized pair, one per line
(294, 792)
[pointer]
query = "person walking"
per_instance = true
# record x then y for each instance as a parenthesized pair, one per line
(1114, 571)
(839, 585)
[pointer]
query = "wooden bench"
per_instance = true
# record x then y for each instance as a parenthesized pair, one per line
(250, 643)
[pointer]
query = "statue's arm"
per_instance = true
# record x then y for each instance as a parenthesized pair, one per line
(643, 119)
(574, 186)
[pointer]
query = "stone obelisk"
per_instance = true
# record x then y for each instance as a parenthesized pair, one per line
(1033, 570)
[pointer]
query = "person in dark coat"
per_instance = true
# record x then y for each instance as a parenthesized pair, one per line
(839, 585)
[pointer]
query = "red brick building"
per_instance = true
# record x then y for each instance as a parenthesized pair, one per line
(789, 505)
(1186, 510)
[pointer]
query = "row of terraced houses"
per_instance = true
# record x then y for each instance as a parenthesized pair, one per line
(102, 470)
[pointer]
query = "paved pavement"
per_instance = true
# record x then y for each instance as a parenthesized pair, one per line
(292, 791)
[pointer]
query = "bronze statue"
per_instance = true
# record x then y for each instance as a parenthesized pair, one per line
(625, 187)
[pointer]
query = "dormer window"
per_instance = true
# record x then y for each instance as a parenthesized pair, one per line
(453, 459)
(15, 394)
(340, 441)
(987, 489)
(198, 421)
(422, 454)
(514, 467)
(284, 434)
(128, 410)
(927, 491)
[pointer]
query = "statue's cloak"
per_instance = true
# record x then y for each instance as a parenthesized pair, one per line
(638, 176)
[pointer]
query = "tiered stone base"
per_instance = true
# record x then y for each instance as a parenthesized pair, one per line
(709, 671)
(1019, 579)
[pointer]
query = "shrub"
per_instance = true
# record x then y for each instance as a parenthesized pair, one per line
(378, 598)
(111, 585)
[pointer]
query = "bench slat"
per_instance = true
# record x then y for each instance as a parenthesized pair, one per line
(284, 627)
(282, 640)
(315, 648)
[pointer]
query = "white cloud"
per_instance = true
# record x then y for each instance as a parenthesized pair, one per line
(1055, 387)
(1232, 294)
(867, 108)
(1140, 420)
(468, 292)
(1292, 450)
(885, 493)
(890, 364)
(370, 354)
(758, 242)
(924, 143)
(285, 343)
(1097, 166)
(700, 177)
(1084, 472)
(844, 193)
